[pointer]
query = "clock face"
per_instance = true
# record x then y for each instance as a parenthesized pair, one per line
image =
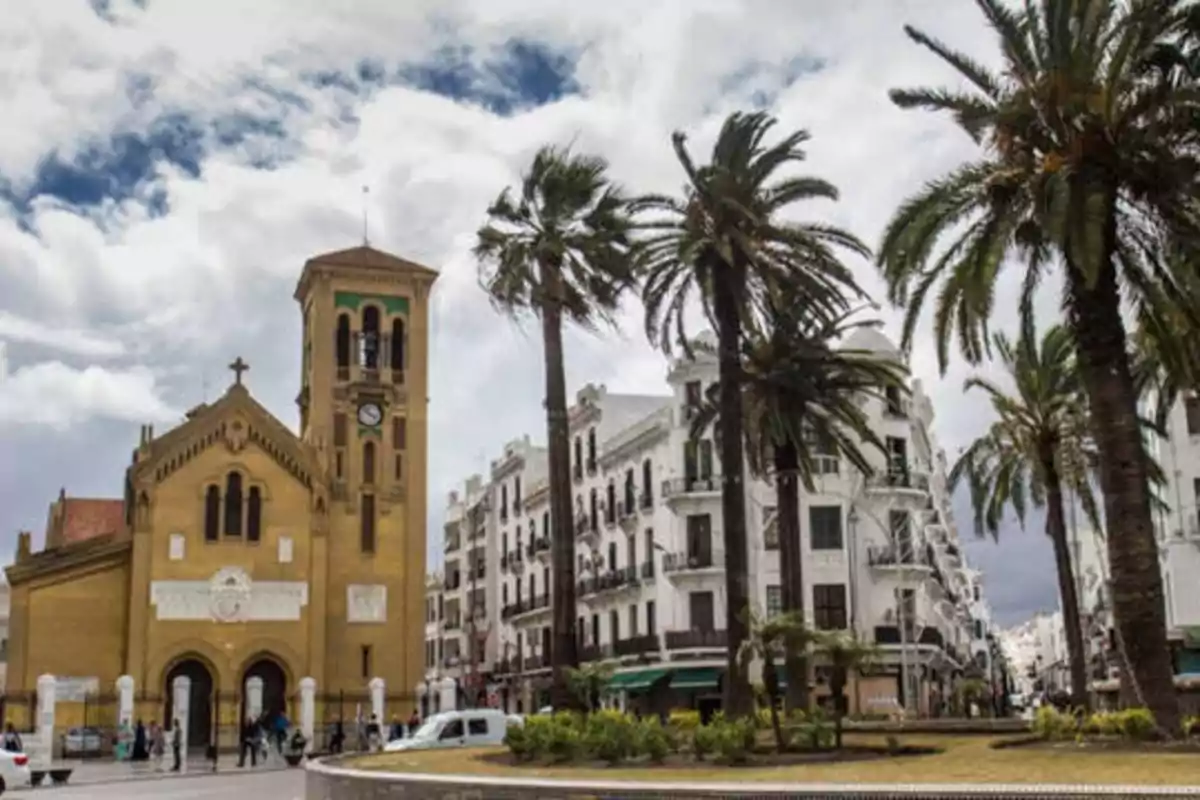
(370, 414)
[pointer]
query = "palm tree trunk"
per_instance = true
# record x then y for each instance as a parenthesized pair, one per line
(738, 700)
(791, 569)
(1094, 312)
(1056, 529)
(563, 654)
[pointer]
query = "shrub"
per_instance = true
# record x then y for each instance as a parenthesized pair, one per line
(652, 740)
(762, 718)
(733, 740)
(610, 736)
(684, 720)
(1137, 724)
(1053, 725)
(521, 743)
(1103, 723)
(1191, 726)
(811, 731)
(704, 740)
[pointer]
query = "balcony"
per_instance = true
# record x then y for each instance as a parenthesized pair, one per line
(637, 645)
(453, 544)
(477, 532)
(480, 570)
(648, 570)
(586, 529)
(899, 480)
(596, 652)
(525, 606)
(540, 546)
(591, 465)
(696, 640)
(452, 582)
(534, 663)
(646, 501)
(899, 557)
(675, 488)
(453, 623)
(700, 562)
(608, 581)
(516, 561)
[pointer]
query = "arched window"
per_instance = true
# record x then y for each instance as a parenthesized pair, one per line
(546, 524)
(591, 449)
(342, 341)
(368, 463)
(397, 345)
(503, 501)
(370, 338)
(630, 492)
(647, 479)
(592, 510)
(578, 457)
(254, 514)
(610, 505)
(233, 504)
(212, 513)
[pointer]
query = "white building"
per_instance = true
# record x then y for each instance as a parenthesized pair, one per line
(881, 558)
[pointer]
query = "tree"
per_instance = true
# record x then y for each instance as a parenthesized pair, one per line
(1089, 165)
(801, 401)
(765, 638)
(724, 243)
(588, 683)
(558, 250)
(1027, 455)
(846, 653)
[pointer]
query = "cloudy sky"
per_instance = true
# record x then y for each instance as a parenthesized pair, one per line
(167, 166)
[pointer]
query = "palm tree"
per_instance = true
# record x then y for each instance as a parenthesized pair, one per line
(1031, 455)
(846, 653)
(800, 402)
(765, 638)
(724, 243)
(1088, 163)
(558, 250)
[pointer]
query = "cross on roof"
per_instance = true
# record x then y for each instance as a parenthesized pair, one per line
(239, 366)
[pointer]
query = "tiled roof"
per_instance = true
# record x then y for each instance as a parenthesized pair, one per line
(87, 518)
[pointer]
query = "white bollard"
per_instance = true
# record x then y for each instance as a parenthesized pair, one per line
(448, 689)
(47, 689)
(377, 687)
(125, 697)
(181, 706)
(308, 710)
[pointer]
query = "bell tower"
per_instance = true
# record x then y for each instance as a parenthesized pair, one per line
(363, 406)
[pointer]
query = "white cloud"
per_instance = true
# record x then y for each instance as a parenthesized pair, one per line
(77, 342)
(213, 278)
(57, 395)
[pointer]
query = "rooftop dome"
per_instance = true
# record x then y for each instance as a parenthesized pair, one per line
(871, 339)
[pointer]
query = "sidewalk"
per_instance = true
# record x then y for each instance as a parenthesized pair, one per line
(87, 773)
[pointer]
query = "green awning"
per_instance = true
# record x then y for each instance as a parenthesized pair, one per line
(636, 680)
(696, 678)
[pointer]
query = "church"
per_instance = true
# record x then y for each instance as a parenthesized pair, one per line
(242, 548)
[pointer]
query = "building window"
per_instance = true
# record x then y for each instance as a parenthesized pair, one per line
(368, 464)
(630, 492)
(829, 606)
(398, 467)
(894, 401)
(591, 450)
(339, 467)
(399, 433)
(610, 504)
(342, 342)
(693, 394)
(595, 629)
(339, 430)
(647, 484)
(978, 624)
(614, 625)
(546, 524)
(1191, 407)
(212, 513)
(774, 601)
(365, 656)
(700, 608)
(651, 623)
(592, 513)
(825, 524)
(770, 528)
(397, 345)
(233, 504)
(254, 514)
(633, 620)
(516, 495)
(578, 458)
(367, 520)
(369, 340)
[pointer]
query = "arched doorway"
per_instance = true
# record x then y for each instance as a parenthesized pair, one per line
(200, 708)
(274, 686)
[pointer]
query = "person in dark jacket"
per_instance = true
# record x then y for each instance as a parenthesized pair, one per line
(248, 743)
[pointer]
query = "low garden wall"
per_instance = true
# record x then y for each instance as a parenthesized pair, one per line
(328, 779)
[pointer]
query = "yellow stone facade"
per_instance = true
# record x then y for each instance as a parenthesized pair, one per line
(320, 531)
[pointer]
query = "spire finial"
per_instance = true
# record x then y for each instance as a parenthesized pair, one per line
(366, 192)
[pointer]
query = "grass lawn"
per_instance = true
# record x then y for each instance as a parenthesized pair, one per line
(967, 759)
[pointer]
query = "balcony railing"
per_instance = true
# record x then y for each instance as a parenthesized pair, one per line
(894, 556)
(676, 487)
(596, 652)
(637, 645)
(608, 581)
(532, 663)
(539, 545)
(525, 605)
(453, 624)
(897, 478)
(453, 544)
(695, 640)
(646, 500)
(647, 570)
(683, 562)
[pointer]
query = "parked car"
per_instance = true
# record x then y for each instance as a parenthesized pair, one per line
(469, 728)
(14, 770)
(82, 742)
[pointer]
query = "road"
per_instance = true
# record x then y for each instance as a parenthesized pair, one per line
(279, 785)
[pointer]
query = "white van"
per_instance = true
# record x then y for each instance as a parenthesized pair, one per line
(467, 728)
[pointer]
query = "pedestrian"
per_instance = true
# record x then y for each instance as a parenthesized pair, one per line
(414, 722)
(124, 738)
(338, 740)
(12, 739)
(396, 729)
(176, 745)
(281, 729)
(373, 735)
(158, 745)
(140, 751)
(249, 743)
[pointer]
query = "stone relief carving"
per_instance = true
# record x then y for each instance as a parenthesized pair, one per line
(366, 603)
(228, 597)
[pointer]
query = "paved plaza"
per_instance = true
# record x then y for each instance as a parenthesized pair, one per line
(276, 785)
